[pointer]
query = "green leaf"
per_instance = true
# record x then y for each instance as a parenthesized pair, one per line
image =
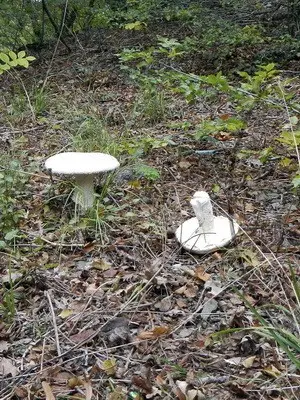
(21, 54)
(4, 57)
(23, 62)
(289, 138)
(296, 181)
(4, 67)
(136, 26)
(11, 234)
(12, 55)
(30, 58)
(13, 63)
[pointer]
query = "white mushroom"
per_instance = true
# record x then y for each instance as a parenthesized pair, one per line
(205, 232)
(84, 167)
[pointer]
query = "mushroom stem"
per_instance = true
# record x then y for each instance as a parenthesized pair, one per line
(203, 210)
(84, 191)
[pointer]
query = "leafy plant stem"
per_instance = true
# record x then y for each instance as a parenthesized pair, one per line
(290, 122)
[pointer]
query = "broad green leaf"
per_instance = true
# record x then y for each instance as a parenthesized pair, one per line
(23, 62)
(289, 138)
(13, 63)
(4, 67)
(4, 57)
(21, 54)
(296, 181)
(12, 55)
(136, 26)
(11, 234)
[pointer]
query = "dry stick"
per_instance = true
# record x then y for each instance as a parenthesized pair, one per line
(43, 354)
(35, 128)
(56, 46)
(54, 323)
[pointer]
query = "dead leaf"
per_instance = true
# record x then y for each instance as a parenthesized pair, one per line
(100, 264)
(65, 313)
(185, 332)
(81, 336)
(74, 382)
(184, 164)
(110, 273)
(3, 346)
(164, 305)
(181, 303)
(7, 367)
(224, 117)
(234, 361)
(154, 333)
(48, 391)
(248, 362)
(142, 383)
(21, 392)
(109, 366)
(189, 291)
(272, 371)
(210, 306)
(182, 385)
(118, 393)
(201, 274)
(89, 390)
(94, 290)
(194, 394)
(214, 288)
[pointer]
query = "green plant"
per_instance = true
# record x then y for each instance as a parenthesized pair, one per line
(212, 127)
(11, 59)
(147, 172)
(29, 102)
(141, 146)
(150, 105)
(8, 303)
(93, 135)
(12, 183)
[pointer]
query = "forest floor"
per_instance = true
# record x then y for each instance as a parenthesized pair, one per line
(111, 307)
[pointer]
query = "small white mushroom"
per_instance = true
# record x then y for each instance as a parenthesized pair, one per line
(205, 232)
(84, 167)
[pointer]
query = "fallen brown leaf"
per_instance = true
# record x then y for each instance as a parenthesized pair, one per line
(7, 367)
(154, 333)
(142, 383)
(189, 291)
(81, 336)
(201, 274)
(89, 390)
(48, 391)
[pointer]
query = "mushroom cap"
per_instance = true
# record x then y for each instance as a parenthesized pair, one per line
(76, 163)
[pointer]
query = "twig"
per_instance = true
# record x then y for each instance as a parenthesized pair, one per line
(58, 244)
(34, 128)
(54, 323)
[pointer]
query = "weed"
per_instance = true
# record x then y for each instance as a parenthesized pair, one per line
(150, 105)
(145, 171)
(94, 135)
(8, 305)
(25, 103)
(12, 183)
